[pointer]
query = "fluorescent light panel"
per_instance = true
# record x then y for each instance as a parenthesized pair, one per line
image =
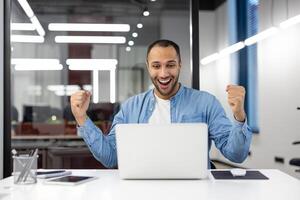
(89, 27)
(112, 86)
(95, 86)
(92, 64)
(91, 39)
(209, 59)
(34, 61)
(231, 49)
(63, 87)
(22, 27)
(91, 68)
(38, 68)
(27, 38)
(37, 26)
(290, 22)
(251, 40)
(26, 7)
(108, 62)
(260, 36)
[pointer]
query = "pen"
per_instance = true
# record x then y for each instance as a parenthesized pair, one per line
(26, 170)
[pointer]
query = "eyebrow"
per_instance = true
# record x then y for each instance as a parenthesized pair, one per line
(169, 61)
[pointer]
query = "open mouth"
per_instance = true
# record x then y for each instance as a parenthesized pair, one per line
(164, 83)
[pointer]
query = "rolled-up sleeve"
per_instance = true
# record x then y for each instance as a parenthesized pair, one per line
(102, 147)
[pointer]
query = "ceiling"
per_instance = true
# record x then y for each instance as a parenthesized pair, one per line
(114, 7)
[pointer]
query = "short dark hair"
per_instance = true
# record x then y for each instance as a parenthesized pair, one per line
(164, 43)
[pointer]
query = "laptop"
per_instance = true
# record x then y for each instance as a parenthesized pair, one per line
(168, 151)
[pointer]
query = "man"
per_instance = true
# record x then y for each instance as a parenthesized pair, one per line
(169, 102)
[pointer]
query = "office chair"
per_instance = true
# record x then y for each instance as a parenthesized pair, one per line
(295, 161)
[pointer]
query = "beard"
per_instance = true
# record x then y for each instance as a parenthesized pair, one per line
(166, 90)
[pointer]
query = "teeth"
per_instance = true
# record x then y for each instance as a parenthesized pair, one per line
(164, 81)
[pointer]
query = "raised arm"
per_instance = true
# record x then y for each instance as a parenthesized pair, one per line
(102, 147)
(232, 139)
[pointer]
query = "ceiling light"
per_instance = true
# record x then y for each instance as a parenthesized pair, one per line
(34, 61)
(22, 27)
(209, 59)
(87, 87)
(107, 62)
(37, 25)
(112, 85)
(37, 67)
(134, 34)
(139, 25)
(95, 87)
(128, 48)
(260, 36)
(92, 64)
(63, 87)
(27, 38)
(290, 22)
(91, 68)
(89, 27)
(231, 49)
(90, 39)
(146, 12)
(26, 7)
(130, 43)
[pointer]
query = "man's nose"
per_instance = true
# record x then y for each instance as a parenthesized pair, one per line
(163, 72)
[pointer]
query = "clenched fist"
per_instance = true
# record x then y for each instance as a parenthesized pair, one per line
(236, 98)
(79, 104)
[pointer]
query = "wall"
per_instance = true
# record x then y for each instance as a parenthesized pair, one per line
(278, 83)
(279, 91)
(1, 84)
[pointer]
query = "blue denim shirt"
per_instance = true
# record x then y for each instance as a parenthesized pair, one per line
(188, 105)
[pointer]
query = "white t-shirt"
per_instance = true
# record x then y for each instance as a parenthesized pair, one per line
(161, 113)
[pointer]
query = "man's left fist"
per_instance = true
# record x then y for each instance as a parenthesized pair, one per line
(236, 98)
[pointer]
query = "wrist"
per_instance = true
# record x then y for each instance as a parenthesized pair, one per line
(81, 120)
(241, 116)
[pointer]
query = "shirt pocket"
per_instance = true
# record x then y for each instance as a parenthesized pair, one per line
(192, 118)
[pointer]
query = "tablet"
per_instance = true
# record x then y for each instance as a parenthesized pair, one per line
(69, 180)
(52, 173)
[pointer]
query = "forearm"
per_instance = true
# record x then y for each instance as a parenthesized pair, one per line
(237, 144)
(102, 147)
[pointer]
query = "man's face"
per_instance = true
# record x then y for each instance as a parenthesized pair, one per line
(164, 68)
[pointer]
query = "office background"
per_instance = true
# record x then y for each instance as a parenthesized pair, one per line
(40, 113)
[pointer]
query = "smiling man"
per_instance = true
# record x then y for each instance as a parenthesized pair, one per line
(169, 102)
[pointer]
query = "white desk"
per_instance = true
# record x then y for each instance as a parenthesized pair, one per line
(108, 186)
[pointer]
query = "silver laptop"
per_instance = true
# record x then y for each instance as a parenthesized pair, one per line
(171, 151)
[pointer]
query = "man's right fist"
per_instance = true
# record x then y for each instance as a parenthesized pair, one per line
(79, 104)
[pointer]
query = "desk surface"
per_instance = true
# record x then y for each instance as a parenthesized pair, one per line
(108, 186)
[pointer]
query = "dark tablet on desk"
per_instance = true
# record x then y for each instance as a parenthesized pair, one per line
(250, 175)
(70, 180)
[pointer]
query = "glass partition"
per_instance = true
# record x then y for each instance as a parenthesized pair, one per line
(59, 47)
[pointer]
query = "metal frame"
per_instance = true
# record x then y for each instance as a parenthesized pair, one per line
(7, 97)
(194, 43)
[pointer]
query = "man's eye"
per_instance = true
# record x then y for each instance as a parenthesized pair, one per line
(171, 65)
(155, 66)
